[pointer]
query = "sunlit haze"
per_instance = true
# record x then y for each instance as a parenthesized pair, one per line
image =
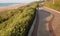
(17, 1)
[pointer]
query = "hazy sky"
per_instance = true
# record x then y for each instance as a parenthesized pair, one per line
(16, 1)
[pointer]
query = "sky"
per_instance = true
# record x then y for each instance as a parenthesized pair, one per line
(17, 1)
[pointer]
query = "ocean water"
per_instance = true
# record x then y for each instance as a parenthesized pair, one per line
(7, 4)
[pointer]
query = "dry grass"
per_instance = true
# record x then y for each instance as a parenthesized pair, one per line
(55, 6)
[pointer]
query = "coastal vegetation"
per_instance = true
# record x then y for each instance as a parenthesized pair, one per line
(53, 4)
(17, 22)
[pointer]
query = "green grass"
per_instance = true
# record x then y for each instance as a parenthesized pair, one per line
(20, 23)
(55, 6)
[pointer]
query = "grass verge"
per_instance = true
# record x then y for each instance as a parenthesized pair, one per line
(55, 6)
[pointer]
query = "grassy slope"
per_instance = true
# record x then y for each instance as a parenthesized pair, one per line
(54, 6)
(19, 23)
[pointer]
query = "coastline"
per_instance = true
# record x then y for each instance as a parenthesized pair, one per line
(14, 6)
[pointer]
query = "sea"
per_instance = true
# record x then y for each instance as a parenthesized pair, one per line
(7, 4)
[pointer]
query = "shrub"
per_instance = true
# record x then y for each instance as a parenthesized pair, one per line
(19, 24)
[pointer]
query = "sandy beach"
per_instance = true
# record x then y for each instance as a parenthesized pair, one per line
(11, 7)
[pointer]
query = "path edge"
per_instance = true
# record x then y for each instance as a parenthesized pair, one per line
(52, 9)
(32, 27)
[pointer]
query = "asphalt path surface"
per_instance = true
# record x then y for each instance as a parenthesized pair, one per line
(41, 23)
(55, 23)
(47, 23)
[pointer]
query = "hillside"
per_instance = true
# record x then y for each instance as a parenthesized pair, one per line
(17, 22)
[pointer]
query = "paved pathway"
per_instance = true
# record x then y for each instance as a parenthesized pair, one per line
(41, 27)
(47, 23)
(56, 22)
